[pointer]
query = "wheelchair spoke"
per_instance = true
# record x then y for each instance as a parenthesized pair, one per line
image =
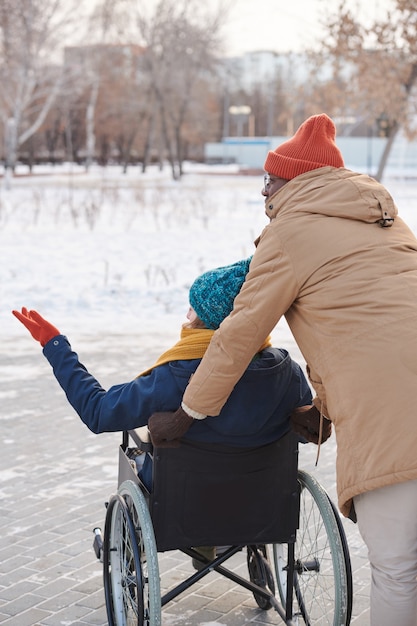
(315, 582)
(321, 588)
(131, 575)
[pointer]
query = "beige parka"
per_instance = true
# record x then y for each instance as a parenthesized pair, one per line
(339, 263)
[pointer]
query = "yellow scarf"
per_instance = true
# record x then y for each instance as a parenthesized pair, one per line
(192, 345)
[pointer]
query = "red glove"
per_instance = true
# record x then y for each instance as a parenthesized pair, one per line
(167, 428)
(39, 328)
(305, 421)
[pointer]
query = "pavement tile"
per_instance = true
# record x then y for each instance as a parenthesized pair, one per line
(17, 591)
(60, 601)
(14, 563)
(22, 603)
(228, 601)
(67, 615)
(33, 617)
(92, 599)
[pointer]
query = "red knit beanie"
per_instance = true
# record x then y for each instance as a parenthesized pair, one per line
(312, 146)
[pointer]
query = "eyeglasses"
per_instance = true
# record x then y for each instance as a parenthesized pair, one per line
(267, 182)
(272, 181)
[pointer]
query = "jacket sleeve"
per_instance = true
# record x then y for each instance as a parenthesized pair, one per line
(123, 406)
(270, 288)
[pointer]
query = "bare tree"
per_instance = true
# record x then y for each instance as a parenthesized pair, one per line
(124, 102)
(103, 27)
(382, 70)
(31, 32)
(181, 44)
(114, 84)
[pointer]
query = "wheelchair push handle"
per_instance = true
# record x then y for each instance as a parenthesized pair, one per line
(141, 437)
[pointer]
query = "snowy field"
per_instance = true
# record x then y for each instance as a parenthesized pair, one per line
(103, 252)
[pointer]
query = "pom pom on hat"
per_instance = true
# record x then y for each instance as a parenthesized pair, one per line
(312, 146)
(212, 294)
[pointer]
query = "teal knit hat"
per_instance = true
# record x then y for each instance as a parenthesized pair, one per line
(212, 294)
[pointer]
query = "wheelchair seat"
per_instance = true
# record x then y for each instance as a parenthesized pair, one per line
(211, 494)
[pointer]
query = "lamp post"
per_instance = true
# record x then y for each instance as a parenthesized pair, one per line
(241, 112)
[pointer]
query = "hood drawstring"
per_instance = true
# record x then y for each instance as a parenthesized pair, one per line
(320, 433)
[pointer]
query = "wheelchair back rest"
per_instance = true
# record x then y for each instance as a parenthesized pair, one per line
(208, 494)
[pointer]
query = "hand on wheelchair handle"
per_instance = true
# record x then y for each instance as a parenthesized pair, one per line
(166, 429)
(305, 421)
(39, 328)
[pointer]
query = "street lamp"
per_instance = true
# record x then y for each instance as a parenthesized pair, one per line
(241, 112)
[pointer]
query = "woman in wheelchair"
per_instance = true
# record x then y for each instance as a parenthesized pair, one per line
(257, 412)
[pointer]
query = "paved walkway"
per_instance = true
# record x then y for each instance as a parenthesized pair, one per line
(54, 479)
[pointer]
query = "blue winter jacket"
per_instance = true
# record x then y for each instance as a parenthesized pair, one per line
(256, 413)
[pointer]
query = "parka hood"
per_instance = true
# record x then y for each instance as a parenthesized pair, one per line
(335, 192)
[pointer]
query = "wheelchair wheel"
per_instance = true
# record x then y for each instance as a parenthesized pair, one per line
(260, 573)
(131, 572)
(322, 571)
(349, 579)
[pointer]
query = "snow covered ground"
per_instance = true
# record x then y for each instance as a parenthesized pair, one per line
(104, 252)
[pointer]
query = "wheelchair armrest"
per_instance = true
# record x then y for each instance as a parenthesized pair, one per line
(142, 438)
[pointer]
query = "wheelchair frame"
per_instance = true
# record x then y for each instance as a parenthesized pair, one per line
(307, 545)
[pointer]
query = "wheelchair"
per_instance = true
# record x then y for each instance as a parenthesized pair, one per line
(252, 500)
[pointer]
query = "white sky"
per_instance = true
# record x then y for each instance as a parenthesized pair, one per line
(278, 25)
(286, 26)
